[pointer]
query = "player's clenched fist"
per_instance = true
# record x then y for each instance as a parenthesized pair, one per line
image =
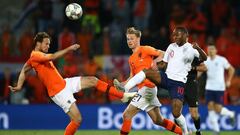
(74, 47)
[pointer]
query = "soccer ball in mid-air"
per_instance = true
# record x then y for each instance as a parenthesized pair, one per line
(73, 11)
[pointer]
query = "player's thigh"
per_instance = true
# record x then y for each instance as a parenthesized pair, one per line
(153, 75)
(74, 113)
(88, 82)
(130, 112)
(155, 115)
(191, 94)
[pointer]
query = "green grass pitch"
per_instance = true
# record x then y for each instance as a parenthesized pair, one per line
(100, 132)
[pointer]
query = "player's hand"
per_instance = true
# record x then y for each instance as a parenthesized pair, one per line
(149, 95)
(14, 89)
(228, 84)
(74, 47)
(195, 45)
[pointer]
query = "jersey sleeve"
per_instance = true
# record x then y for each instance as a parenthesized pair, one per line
(41, 57)
(152, 51)
(166, 54)
(29, 62)
(226, 64)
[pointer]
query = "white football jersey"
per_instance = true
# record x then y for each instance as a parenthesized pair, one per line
(215, 73)
(179, 59)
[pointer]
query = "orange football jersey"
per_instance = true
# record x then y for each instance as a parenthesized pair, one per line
(46, 72)
(143, 59)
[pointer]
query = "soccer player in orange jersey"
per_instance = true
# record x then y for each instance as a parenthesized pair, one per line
(61, 90)
(142, 58)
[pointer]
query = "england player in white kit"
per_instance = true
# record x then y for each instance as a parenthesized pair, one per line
(216, 85)
(177, 61)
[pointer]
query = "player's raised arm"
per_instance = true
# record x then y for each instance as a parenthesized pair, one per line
(21, 78)
(203, 55)
(43, 57)
(61, 53)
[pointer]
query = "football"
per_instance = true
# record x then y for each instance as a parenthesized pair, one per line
(73, 11)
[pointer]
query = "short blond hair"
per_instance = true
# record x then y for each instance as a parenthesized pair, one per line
(132, 30)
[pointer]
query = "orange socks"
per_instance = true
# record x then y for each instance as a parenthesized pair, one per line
(171, 126)
(104, 87)
(71, 128)
(126, 127)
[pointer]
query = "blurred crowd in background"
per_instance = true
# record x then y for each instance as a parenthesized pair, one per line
(101, 34)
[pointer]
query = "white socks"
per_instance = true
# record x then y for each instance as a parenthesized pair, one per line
(137, 79)
(227, 112)
(213, 118)
(182, 123)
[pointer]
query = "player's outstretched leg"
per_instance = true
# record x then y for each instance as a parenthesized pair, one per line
(91, 81)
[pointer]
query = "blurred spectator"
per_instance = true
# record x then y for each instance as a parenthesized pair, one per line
(219, 15)
(234, 91)
(84, 38)
(195, 37)
(70, 68)
(58, 8)
(65, 38)
(8, 46)
(178, 17)
(141, 13)
(91, 67)
(102, 44)
(44, 12)
(5, 82)
(106, 12)
(121, 10)
(116, 37)
(25, 43)
(161, 38)
(54, 39)
(197, 20)
(36, 91)
(90, 17)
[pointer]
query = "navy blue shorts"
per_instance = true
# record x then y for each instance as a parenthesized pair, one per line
(175, 88)
(215, 96)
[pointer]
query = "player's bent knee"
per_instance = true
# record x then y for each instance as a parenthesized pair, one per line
(91, 81)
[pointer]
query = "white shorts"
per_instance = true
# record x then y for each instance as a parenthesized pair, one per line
(142, 103)
(65, 97)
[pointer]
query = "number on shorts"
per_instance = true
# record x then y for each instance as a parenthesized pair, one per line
(137, 98)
